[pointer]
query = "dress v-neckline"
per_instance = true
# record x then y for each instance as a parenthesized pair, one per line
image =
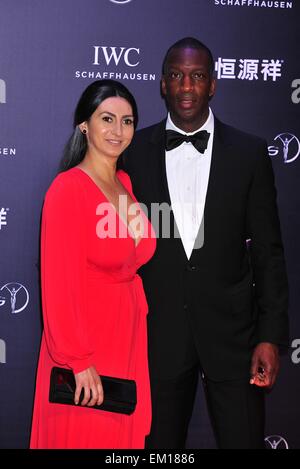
(114, 208)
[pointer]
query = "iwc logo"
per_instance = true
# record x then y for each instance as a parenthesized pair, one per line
(289, 144)
(276, 442)
(115, 54)
(116, 63)
(15, 295)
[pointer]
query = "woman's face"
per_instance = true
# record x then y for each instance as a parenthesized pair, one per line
(110, 128)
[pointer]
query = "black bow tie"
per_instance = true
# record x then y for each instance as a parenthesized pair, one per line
(199, 140)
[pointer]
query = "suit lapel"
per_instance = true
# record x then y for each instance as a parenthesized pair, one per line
(218, 174)
(157, 141)
(160, 179)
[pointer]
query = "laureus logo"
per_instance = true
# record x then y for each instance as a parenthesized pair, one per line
(16, 295)
(288, 144)
(276, 442)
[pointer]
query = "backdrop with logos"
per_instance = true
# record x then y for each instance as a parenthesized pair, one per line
(49, 52)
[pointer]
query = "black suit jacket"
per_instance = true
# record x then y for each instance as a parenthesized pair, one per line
(228, 296)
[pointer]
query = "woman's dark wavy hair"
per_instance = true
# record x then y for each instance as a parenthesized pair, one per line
(90, 99)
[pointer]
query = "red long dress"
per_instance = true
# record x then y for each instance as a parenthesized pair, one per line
(94, 311)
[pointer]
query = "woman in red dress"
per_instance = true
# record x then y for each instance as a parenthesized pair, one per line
(94, 239)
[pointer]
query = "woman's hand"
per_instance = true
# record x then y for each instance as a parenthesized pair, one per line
(91, 383)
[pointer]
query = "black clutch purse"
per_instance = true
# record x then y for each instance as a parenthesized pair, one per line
(119, 394)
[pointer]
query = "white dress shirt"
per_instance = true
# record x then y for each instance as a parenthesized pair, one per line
(187, 175)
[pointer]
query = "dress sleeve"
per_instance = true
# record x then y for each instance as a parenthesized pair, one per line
(63, 274)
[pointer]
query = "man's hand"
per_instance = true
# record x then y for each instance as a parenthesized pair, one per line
(265, 365)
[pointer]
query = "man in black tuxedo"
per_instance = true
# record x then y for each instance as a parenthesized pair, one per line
(217, 301)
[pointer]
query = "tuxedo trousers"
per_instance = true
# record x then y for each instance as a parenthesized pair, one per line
(236, 410)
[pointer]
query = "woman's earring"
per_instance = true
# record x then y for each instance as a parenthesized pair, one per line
(84, 131)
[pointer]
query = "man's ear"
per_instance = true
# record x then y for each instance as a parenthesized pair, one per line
(163, 86)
